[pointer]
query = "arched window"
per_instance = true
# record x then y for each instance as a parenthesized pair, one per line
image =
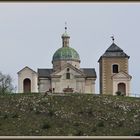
(68, 74)
(27, 85)
(115, 68)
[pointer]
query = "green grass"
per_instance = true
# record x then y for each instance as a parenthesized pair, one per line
(70, 115)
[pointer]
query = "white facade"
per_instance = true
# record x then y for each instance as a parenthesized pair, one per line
(77, 81)
(27, 73)
(44, 85)
(121, 78)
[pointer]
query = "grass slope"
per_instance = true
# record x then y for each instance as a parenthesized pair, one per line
(69, 115)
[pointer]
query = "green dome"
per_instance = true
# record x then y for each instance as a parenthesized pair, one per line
(66, 53)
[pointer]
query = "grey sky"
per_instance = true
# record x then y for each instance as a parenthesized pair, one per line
(30, 33)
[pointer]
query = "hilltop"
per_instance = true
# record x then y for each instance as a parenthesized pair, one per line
(69, 115)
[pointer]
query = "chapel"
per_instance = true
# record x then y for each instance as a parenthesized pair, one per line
(65, 76)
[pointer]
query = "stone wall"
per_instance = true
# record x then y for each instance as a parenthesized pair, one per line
(106, 83)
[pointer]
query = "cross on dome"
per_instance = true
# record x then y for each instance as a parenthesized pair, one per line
(65, 27)
(113, 38)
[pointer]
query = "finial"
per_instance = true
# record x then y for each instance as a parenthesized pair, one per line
(65, 27)
(113, 38)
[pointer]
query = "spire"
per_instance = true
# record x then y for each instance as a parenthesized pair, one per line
(65, 37)
(113, 38)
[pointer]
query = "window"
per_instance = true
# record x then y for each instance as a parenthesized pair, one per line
(67, 75)
(115, 68)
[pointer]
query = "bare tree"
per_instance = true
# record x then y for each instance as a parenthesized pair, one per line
(6, 83)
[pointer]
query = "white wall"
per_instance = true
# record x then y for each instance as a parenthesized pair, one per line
(44, 85)
(78, 83)
(27, 73)
(121, 78)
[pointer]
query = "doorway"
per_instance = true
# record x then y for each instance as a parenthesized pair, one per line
(27, 85)
(122, 88)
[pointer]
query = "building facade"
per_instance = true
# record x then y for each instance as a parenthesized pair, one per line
(65, 76)
(113, 71)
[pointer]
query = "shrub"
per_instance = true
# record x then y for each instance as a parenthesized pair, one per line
(46, 125)
(37, 112)
(15, 115)
(79, 133)
(89, 112)
(118, 93)
(31, 109)
(137, 133)
(120, 124)
(76, 124)
(5, 116)
(94, 129)
(81, 112)
(51, 113)
(101, 124)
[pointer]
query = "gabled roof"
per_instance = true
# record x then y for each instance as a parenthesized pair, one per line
(26, 67)
(86, 72)
(114, 51)
(114, 48)
(89, 72)
(44, 72)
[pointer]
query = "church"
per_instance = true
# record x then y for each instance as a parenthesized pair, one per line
(66, 75)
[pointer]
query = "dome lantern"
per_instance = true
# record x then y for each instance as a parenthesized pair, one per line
(65, 38)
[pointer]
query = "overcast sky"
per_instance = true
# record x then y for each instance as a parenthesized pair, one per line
(30, 33)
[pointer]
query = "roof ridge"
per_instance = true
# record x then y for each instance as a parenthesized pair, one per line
(114, 51)
(114, 48)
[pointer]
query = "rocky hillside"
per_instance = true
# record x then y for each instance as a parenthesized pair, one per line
(69, 115)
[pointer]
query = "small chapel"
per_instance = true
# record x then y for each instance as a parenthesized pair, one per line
(66, 75)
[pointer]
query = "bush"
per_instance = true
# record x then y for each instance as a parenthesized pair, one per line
(51, 113)
(15, 115)
(79, 133)
(101, 124)
(5, 116)
(120, 124)
(46, 125)
(37, 112)
(137, 133)
(94, 129)
(76, 124)
(119, 93)
(90, 113)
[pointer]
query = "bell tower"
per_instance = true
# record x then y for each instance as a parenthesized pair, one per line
(113, 71)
